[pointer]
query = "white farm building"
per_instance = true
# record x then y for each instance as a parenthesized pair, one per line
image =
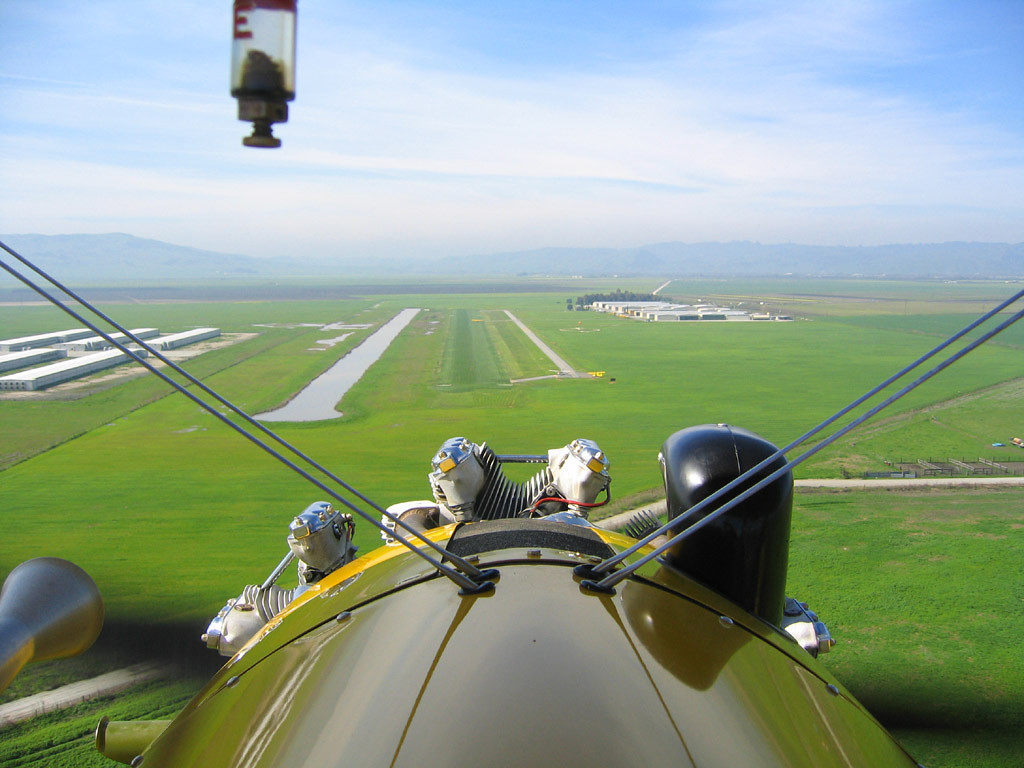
(664, 311)
(12, 361)
(97, 343)
(66, 370)
(183, 339)
(43, 339)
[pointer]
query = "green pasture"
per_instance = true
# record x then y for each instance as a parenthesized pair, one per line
(923, 591)
(172, 513)
(64, 739)
(288, 359)
(521, 357)
(139, 477)
(962, 427)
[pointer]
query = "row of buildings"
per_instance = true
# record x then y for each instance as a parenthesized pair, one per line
(78, 353)
(664, 311)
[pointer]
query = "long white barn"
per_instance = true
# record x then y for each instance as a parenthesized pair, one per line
(43, 339)
(183, 339)
(12, 361)
(66, 370)
(96, 343)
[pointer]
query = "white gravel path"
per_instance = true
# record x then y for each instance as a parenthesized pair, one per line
(563, 367)
(910, 482)
(74, 693)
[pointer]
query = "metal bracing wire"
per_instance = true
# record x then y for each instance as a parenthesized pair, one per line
(605, 565)
(461, 578)
(614, 577)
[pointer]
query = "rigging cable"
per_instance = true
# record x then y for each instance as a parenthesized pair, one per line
(607, 564)
(463, 577)
(609, 581)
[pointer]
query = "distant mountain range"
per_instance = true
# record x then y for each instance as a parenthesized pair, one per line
(736, 259)
(124, 258)
(118, 257)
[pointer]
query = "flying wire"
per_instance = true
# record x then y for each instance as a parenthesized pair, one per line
(614, 577)
(607, 564)
(461, 578)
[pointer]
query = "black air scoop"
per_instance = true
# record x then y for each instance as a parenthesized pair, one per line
(491, 535)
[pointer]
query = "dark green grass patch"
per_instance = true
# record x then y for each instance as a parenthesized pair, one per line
(521, 357)
(470, 359)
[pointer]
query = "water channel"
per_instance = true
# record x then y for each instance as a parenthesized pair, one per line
(316, 402)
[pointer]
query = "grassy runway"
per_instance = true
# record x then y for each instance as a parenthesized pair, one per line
(172, 514)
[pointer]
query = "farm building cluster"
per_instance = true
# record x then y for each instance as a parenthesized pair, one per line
(664, 311)
(53, 358)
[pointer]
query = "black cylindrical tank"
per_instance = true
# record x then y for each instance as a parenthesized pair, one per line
(744, 553)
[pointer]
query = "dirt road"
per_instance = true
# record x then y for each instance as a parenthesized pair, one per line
(911, 482)
(68, 695)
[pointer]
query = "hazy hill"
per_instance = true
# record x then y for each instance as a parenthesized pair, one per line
(119, 257)
(125, 258)
(946, 260)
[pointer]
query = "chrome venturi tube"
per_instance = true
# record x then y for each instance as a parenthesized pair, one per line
(49, 609)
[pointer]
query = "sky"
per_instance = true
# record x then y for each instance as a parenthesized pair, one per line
(454, 128)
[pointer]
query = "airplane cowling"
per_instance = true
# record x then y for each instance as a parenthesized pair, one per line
(539, 673)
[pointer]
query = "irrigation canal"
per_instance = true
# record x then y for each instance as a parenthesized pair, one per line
(316, 402)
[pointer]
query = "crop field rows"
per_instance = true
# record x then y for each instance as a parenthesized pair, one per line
(172, 514)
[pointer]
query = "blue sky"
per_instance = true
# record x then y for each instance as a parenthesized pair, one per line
(437, 129)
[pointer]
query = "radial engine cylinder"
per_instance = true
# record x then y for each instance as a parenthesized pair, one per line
(457, 477)
(321, 537)
(579, 472)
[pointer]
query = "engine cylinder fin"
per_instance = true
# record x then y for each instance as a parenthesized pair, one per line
(508, 498)
(503, 498)
(642, 524)
(269, 602)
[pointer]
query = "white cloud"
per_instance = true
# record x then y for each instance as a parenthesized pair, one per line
(757, 128)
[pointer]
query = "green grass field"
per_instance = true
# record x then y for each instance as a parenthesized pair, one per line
(172, 513)
(922, 592)
(65, 739)
(520, 356)
(471, 360)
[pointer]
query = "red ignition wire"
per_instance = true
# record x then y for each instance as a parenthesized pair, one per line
(588, 504)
